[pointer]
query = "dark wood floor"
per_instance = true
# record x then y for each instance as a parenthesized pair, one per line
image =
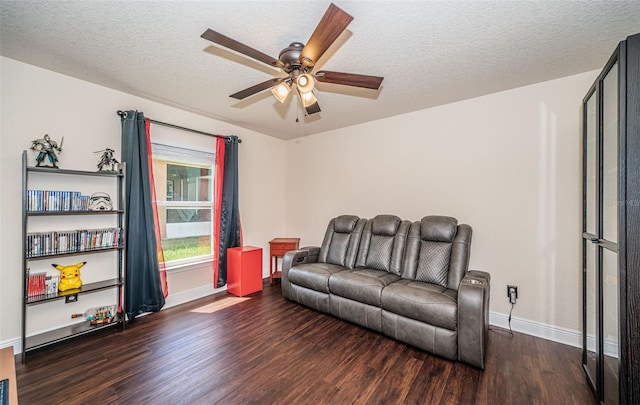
(266, 350)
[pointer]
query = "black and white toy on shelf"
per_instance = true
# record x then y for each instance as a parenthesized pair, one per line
(46, 148)
(100, 201)
(107, 160)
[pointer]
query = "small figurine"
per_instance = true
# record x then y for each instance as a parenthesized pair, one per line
(107, 159)
(46, 148)
(69, 276)
(100, 202)
(98, 315)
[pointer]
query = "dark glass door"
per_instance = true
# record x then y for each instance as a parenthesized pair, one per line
(591, 341)
(601, 187)
(609, 239)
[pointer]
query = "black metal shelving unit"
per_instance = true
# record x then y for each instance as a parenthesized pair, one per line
(50, 337)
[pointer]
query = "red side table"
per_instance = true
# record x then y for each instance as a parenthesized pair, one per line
(244, 270)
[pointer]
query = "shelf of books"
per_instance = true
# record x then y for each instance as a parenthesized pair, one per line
(66, 243)
(48, 213)
(41, 288)
(80, 252)
(46, 304)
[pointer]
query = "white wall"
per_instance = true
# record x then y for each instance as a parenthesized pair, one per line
(36, 101)
(508, 164)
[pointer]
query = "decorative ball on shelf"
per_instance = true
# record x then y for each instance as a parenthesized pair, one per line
(107, 160)
(100, 201)
(46, 148)
(69, 276)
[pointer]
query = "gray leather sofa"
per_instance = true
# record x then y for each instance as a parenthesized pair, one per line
(409, 281)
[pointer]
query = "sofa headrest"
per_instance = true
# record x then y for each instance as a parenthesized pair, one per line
(438, 229)
(386, 225)
(345, 223)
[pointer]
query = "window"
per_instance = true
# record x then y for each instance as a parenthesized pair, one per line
(184, 192)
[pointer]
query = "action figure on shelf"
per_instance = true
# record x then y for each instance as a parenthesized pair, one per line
(107, 159)
(46, 148)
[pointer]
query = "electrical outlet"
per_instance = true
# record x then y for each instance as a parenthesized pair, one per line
(512, 293)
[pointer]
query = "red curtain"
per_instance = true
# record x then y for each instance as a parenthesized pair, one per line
(163, 268)
(217, 203)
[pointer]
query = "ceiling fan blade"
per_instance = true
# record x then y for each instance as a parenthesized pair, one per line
(313, 108)
(334, 21)
(227, 42)
(349, 79)
(256, 89)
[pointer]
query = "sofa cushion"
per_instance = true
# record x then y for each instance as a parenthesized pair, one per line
(385, 225)
(345, 223)
(433, 262)
(423, 302)
(382, 244)
(363, 285)
(380, 249)
(431, 244)
(314, 275)
(341, 241)
(438, 228)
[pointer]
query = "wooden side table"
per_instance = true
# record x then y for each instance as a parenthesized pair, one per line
(278, 247)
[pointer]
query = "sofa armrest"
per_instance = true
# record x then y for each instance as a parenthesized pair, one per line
(473, 317)
(293, 258)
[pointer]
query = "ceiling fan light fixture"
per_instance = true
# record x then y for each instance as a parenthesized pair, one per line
(297, 61)
(308, 98)
(281, 91)
(305, 83)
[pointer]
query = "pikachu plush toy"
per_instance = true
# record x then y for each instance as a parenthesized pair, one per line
(69, 276)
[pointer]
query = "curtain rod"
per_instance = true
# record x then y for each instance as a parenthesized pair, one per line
(121, 113)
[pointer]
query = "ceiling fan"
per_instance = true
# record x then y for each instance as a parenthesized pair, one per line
(298, 60)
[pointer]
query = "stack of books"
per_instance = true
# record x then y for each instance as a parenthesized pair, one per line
(60, 242)
(41, 285)
(46, 200)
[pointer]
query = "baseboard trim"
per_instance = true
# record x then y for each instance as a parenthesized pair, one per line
(16, 343)
(538, 329)
(191, 295)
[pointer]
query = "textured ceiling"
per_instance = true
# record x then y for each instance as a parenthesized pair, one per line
(430, 52)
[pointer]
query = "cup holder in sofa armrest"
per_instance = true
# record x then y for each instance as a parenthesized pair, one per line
(472, 281)
(302, 255)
